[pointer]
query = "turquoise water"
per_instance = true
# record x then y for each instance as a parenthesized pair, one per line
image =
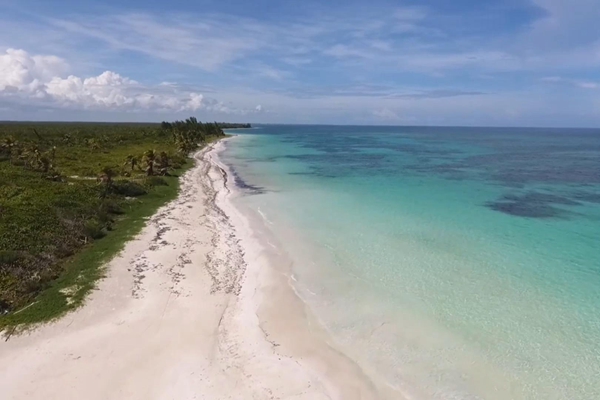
(450, 263)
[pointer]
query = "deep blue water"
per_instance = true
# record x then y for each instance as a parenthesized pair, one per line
(451, 263)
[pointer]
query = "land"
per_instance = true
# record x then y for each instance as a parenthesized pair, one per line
(71, 195)
(192, 308)
(226, 125)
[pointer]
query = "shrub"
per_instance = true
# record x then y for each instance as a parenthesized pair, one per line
(152, 181)
(128, 188)
(8, 257)
(95, 229)
(111, 207)
(177, 159)
(64, 250)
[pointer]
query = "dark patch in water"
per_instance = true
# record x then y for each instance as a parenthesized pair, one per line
(587, 197)
(532, 205)
(342, 164)
(302, 173)
(243, 185)
(540, 198)
(448, 171)
(518, 209)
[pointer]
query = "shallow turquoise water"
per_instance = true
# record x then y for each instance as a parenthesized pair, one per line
(450, 263)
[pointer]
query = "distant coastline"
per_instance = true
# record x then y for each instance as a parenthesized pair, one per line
(227, 125)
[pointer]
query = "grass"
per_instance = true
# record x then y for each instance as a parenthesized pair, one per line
(59, 225)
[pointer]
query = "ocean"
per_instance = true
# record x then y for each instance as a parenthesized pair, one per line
(449, 263)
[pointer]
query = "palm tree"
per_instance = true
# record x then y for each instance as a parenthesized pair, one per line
(178, 139)
(53, 153)
(45, 163)
(93, 144)
(8, 146)
(149, 160)
(182, 145)
(106, 177)
(18, 152)
(32, 157)
(8, 143)
(163, 163)
(132, 161)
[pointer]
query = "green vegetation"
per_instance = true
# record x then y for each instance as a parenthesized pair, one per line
(71, 195)
(226, 125)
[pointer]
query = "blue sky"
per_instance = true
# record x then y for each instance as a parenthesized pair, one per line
(499, 63)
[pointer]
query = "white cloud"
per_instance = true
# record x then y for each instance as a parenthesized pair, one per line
(272, 73)
(553, 79)
(297, 61)
(25, 77)
(386, 113)
(588, 85)
(572, 82)
(410, 13)
(21, 72)
(207, 43)
(343, 51)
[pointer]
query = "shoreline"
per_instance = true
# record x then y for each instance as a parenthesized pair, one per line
(190, 308)
(285, 319)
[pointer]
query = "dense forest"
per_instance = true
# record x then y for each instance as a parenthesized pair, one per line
(71, 194)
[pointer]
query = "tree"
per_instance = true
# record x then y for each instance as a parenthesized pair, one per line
(32, 157)
(163, 163)
(132, 161)
(149, 159)
(45, 164)
(184, 141)
(9, 145)
(106, 177)
(93, 144)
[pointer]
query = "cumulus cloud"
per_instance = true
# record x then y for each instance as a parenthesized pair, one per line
(25, 77)
(21, 72)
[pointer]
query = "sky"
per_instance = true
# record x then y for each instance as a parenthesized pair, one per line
(428, 62)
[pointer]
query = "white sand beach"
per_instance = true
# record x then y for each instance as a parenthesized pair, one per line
(190, 309)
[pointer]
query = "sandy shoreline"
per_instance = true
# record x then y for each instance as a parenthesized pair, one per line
(192, 308)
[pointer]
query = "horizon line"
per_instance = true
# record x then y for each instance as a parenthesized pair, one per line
(303, 124)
